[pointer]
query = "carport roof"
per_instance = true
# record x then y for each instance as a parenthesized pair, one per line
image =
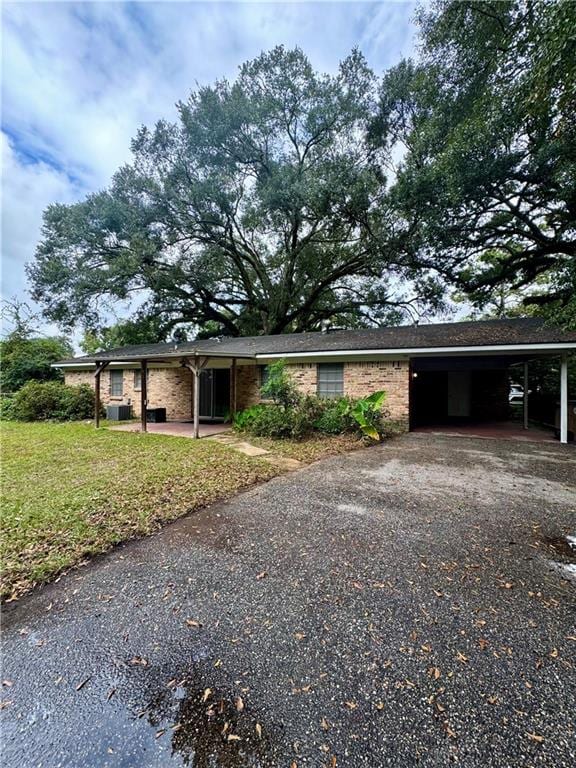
(522, 333)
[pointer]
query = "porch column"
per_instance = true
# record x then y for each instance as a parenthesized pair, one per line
(143, 394)
(525, 398)
(196, 372)
(564, 399)
(99, 368)
(233, 388)
(196, 368)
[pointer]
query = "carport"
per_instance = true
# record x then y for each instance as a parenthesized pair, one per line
(459, 389)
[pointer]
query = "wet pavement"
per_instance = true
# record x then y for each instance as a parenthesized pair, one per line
(410, 604)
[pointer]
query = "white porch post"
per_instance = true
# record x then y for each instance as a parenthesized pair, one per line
(525, 398)
(196, 368)
(564, 399)
(196, 372)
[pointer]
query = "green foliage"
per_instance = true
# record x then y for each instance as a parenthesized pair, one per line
(368, 415)
(6, 407)
(311, 413)
(260, 210)
(335, 417)
(52, 400)
(280, 386)
(141, 330)
(487, 186)
(25, 359)
(266, 421)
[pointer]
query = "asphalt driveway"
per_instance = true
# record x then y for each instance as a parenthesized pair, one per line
(411, 604)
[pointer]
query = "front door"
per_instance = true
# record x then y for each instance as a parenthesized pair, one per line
(214, 393)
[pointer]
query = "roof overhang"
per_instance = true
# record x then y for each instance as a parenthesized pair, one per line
(495, 349)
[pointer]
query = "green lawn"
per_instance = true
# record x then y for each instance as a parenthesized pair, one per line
(70, 491)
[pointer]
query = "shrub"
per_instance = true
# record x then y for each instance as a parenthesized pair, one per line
(280, 387)
(44, 401)
(369, 415)
(6, 407)
(310, 413)
(266, 421)
(335, 418)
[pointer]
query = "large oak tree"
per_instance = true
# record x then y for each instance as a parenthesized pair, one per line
(262, 210)
(487, 121)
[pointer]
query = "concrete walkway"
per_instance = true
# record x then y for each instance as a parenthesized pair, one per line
(406, 605)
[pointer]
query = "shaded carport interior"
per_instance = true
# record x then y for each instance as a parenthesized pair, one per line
(472, 391)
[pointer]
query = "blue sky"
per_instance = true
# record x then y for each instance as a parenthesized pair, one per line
(78, 79)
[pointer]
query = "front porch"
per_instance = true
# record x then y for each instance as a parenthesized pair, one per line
(176, 428)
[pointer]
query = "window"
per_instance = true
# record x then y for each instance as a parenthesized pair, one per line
(264, 376)
(138, 378)
(116, 383)
(330, 379)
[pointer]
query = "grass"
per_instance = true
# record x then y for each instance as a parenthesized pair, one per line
(70, 492)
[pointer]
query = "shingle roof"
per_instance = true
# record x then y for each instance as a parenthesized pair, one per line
(517, 331)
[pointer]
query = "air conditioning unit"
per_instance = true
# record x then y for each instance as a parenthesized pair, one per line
(119, 412)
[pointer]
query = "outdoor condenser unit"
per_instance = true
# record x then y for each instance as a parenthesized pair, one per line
(119, 412)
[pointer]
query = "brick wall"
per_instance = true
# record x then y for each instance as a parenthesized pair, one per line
(363, 378)
(360, 379)
(169, 388)
(247, 386)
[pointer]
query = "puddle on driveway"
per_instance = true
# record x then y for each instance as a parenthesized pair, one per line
(563, 550)
(140, 718)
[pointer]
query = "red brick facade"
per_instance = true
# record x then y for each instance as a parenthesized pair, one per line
(172, 388)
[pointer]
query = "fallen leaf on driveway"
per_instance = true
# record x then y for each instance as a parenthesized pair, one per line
(239, 704)
(258, 728)
(261, 575)
(535, 737)
(139, 661)
(206, 695)
(351, 705)
(193, 623)
(460, 656)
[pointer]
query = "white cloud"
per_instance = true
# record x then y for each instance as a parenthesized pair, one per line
(79, 78)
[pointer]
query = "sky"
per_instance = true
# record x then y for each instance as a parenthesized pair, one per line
(79, 79)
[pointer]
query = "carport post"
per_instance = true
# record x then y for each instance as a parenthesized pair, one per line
(564, 399)
(99, 368)
(525, 398)
(143, 394)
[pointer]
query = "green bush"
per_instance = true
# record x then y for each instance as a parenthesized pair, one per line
(335, 418)
(6, 407)
(280, 387)
(51, 400)
(266, 421)
(365, 415)
(369, 415)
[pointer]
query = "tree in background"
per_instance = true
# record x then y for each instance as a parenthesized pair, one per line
(262, 210)
(487, 121)
(25, 355)
(140, 330)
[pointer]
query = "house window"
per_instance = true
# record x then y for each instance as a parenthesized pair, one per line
(264, 376)
(330, 379)
(116, 383)
(138, 378)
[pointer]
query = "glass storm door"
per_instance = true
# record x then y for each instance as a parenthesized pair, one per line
(214, 393)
